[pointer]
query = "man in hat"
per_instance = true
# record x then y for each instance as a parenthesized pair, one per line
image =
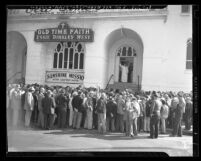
(134, 112)
(89, 111)
(111, 111)
(48, 106)
(16, 105)
(180, 109)
(101, 110)
(164, 115)
(61, 102)
(77, 106)
(155, 116)
(35, 112)
(29, 105)
(40, 108)
(188, 113)
(120, 113)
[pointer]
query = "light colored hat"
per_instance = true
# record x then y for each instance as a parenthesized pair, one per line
(75, 93)
(31, 89)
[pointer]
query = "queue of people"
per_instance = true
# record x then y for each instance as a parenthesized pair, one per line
(128, 112)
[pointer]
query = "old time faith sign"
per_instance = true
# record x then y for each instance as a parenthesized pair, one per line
(64, 33)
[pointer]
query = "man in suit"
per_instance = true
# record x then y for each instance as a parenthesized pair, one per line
(155, 116)
(29, 106)
(61, 102)
(180, 109)
(48, 110)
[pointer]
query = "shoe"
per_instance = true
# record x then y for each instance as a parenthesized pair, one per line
(132, 136)
(151, 137)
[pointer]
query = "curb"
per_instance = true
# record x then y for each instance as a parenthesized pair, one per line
(185, 132)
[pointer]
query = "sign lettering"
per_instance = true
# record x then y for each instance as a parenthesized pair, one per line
(64, 34)
(71, 76)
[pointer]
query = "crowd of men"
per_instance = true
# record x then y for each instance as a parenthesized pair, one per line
(128, 112)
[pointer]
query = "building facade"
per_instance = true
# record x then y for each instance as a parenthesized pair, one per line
(68, 49)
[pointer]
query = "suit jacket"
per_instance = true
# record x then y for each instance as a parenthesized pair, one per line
(29, 101)
(47, 104)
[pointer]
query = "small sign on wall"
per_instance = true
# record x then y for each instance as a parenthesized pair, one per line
(64, 33)
(69, 76)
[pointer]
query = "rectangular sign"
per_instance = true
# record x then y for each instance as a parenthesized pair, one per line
(64, 34)
(72, 76)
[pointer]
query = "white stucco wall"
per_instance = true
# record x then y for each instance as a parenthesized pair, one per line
(164, 49)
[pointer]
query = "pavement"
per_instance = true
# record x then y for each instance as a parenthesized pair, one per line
(71, 140)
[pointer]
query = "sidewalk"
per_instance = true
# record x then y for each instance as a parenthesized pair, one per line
(185, 132)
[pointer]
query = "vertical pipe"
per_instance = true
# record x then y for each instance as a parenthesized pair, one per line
(138, 83)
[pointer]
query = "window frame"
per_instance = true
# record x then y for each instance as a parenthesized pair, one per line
(188, 60)
(70, 46)
(185, 13)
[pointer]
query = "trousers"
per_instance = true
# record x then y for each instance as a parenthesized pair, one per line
(120, 123)
(147, 124)
(41, 119)
(28, 117)
(154, 126)
(61, 118)
(101, 122)
(77, 117)
(88, 120)
(133, 126)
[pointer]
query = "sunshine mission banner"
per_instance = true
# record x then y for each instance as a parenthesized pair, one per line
(75, 77)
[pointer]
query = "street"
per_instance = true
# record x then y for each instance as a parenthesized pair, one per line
(70, 140)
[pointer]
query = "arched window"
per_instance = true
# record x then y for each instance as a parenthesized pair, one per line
(69, 55)
(60, 59)
(55, 60)
(126, 51)
(189, 54)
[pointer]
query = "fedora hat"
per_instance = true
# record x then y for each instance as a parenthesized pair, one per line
(31, 89)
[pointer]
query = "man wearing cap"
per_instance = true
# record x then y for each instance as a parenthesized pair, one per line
(48, 105)
(155, 116)
(29, 105)
(180, 109)
(61, 102)
(188, 113)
